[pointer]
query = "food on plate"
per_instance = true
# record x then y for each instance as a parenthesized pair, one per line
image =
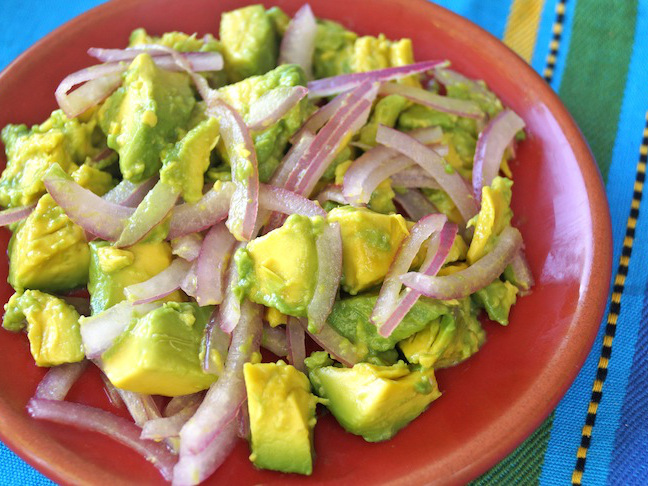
(290, 185)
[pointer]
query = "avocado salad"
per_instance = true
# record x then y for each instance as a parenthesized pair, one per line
(237, 229)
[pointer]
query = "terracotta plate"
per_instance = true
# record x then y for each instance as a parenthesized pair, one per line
(490, 403)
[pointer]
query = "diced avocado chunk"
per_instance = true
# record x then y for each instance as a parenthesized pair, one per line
(52, 327)
(95, 180)
(159, 353)
(250, 44)
(271, 143)
(30, 152)
(114, 269)
(497, 298)
(282, 417)
(48, 251)
(385, 112)
(279, 269)
(370, 241)
(375, 401)
(144, 114)
(184, 165)
(279, 19)
(448, 340)
(382, 199)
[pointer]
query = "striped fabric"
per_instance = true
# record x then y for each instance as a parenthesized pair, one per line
(594, 53)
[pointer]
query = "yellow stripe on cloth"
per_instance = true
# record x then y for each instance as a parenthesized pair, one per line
(522, 27)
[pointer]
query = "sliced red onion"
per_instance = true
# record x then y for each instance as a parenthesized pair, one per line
(454, 106)
(179, 403)
(141, 407)
(346, 82)
(59, 379)
(415, 204)
(160, 285)
(193, 217)
(245, 174)
(226, 395)
(391, 287)
(318, 119)
(296, 152)
(475, 277)
(435, 259)
(329, 274)
(96, 420)
(332, 193)
(298, 42)
(167, 427)
(157, 204)
(216, 340)
(13, 215)
(99, 331)
(113, 395)
(188, 246)
(452, 183)
(100, 81)
(296, 338)
(189, 284)
(199, 61)
(336, 345)
(273, 106)
(491, 144)
(103, 219)
(243, 418)
(522, 271)
(284, 201)
(126, 193)
(274, 340)
(414, 177)
(212, 264)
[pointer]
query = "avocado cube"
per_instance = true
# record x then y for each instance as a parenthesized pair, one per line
(282, 417)
(143, 116)
(114, 269)
(370, 241)
(497, 298)
(375, 401)
(48, 251)
(93, 179)
(52, 327)
(159, 353)
(250, 43)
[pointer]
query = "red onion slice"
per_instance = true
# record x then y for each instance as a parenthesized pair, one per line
(212, 264)
(296, 339)
(464, 108)
(188, 246)
(103, 219)
(298, 42)
(274, 339)
(216, 340)
(391, 287)
(199, 61)
(272, 106)
(332, 193)
(243, 419)
(141, 407)
(318, 119)
(100, 81)
(336, 345)
(99, 331)
(346, 82)
(129, 194)
(284, 201)
(491, 144)
(329, 274)
(226, 395)
(157, 204)
(414, 177)
(59, 379)
(160, 285)
(522, 272)
(452, 183)
(245, 175)
(179, 403)
(113, 395)
(167, 427)
(296, 152)
(434, 261)
(415, 204)
(13, 215)
(193, 217)
(475, 277)
(96, 420)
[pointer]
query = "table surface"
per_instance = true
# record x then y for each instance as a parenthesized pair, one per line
(595, 56)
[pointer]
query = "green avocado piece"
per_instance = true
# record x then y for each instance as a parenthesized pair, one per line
(333, 49)
(184, 165)
(114, 269)
(95, 180)
(48, 251)
(271, 143)
(250, 43)
(159, 353)
(279, 269)
(31, 152)
(279, 19)
(52, 327)
(385, 112)
(497, 298)
(375, 401)
(282, 417)
(146, 113)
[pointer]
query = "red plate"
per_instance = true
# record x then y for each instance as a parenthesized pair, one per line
(490, 403)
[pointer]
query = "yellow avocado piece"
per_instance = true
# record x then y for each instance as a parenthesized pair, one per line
(375, 401)
(274, 317)
(95, 180)
(282, 417)
(370, 241)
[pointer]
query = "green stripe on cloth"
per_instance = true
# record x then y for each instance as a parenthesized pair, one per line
(595, 74)
(525, 464)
